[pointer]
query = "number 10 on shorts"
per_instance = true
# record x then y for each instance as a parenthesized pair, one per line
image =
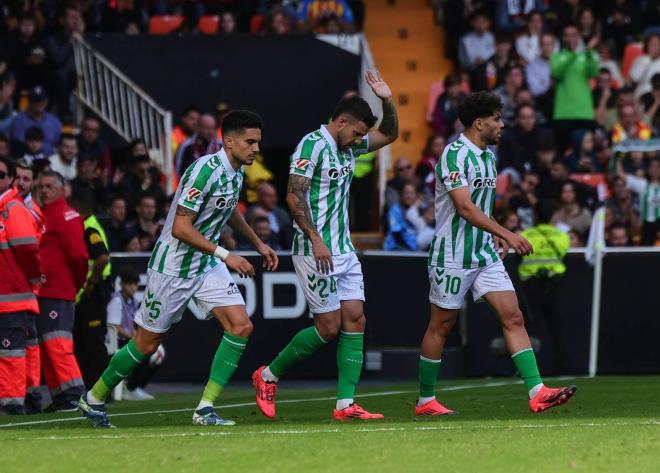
(451, 284)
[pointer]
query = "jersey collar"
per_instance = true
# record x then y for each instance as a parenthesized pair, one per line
(474, 148)
(328, 137)
(229, 169)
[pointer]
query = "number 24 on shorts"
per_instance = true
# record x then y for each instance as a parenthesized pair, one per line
(452, 284)
(153, 305)
(324, 285)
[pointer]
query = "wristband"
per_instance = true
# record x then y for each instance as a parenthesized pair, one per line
(221, 253)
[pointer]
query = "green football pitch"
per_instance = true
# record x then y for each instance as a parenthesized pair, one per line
(611, 425)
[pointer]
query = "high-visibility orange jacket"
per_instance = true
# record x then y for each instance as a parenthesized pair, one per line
(19, 255)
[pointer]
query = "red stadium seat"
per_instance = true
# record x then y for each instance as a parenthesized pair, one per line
(166, 24)
(255, 23)
(209, 24)
(632, 52)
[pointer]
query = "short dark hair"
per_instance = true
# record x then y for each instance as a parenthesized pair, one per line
(66, 136)
(655, 81)
(128, 274)
(191, 108)
(34, 134)
(524, 105)
(11, 166)
(356, 107)
(478, 105)
(55, 174)
(452, 80)
(4, 138)
(114, 197)
(24, 164)
(146, 196)
(260, 219)
(241, 120)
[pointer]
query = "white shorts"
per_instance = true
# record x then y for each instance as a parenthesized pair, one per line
(448, 286)
(324, 292)
(166, 297)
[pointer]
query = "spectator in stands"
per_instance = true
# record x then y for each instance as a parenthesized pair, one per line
(131, 243)
(618, 235)
(492, 73)
(312, 14)
(604, 97)
(87, 180)
(25, 53)
(401, 233)
(260, 223)
(583, 156)
(64, 259)
(618, 30)
(514, 80)
(630, 126)
(572, 70)
(5, 147)
(476, 47)
(278, 218)
(538, 75)
(651, 103)
(7, 113)
(121, 311)
(571, 214)
(446, 108)
(142, 178)
(522, 199)
(115, 226)
(66, 160)
(34, 148)
(228, 24)
(576, 240)
(146, 225)
(646, 66)
(403, 173)
(203, 142)
(422, 216)
(276, 22)
(186, 129)
(621, 206)
(510, 220)
(37, 116)
(588, 27)
(60, 59)
(425, 170)
(528, 45)
(90, 144)
(648, 192)
(518, 144)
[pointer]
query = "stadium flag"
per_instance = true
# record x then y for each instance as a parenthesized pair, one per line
(596, 236)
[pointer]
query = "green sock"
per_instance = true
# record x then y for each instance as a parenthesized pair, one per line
(525, 361)
(224, 364)
(121, 365)
(428, 374)
(301, 346)
(349, 363)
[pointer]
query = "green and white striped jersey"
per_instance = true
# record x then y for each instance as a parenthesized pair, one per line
(210, 186)
(331, 172)
(457, 244)
(649, 196)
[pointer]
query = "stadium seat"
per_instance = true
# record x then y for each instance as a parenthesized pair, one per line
(209, 24)
(632, 52)
(166, 24)
(255, 23)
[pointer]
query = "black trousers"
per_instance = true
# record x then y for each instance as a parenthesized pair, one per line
(89, 332)
(542, 305)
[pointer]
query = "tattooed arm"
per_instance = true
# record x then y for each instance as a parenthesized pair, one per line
(388, 130)
(297, 201)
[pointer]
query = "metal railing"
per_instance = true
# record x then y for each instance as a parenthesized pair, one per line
(123, 106)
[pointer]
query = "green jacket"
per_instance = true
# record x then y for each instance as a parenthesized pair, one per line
(572, 72)
(550, 246)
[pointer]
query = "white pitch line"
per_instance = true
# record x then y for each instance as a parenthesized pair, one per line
(493, 384)
(229, 431)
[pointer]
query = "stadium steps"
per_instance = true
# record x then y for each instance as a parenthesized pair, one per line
(408, 50)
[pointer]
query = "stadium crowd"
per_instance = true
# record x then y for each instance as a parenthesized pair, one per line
(579, 82)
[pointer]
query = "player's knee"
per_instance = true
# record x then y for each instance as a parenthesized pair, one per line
(442, 328)
(147, 347)
(328, 330)
(513, 319)
(244, 329)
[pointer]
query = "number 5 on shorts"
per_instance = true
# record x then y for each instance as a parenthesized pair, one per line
(452, 284)
(152, 305)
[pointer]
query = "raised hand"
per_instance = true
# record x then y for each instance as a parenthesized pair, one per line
(378, 85)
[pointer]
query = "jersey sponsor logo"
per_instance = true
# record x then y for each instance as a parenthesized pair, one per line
(336, 173)
(302, 164)
(192, 194)
(479, 182)
(454, 177)
(225, 203)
